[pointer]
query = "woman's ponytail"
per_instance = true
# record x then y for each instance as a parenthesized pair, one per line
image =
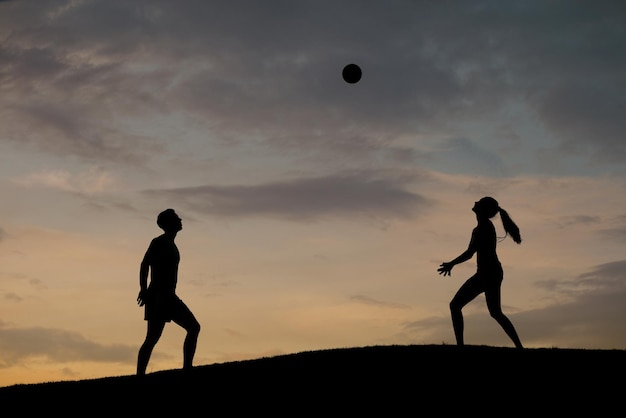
(509, 226)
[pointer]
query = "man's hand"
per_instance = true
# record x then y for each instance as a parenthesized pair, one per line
(445, 269)
(141, 298)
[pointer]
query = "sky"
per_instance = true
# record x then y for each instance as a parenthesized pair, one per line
(315, 212)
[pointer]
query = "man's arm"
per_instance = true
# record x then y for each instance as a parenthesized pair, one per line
(143, 279)
(143, 274)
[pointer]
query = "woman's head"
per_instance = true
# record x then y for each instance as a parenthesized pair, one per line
(487, 206)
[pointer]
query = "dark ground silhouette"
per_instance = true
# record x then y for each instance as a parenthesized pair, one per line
(415, 380)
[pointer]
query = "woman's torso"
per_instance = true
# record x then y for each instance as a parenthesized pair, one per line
(485, 240)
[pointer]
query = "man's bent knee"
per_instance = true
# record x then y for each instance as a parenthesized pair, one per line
(194, 329)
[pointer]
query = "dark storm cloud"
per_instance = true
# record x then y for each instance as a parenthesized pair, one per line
(246, 67)
(349, 195)
(18, 344)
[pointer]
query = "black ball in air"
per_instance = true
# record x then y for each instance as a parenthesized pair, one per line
(351, 73)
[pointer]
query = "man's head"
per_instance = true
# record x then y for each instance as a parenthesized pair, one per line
(168, 220)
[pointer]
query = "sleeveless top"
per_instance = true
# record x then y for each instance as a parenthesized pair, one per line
(485, 241)
(163, 257)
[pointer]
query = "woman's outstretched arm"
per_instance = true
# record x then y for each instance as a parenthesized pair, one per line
(446, 268)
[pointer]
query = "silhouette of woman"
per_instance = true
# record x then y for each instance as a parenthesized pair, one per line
(489, 274)
(162, 305)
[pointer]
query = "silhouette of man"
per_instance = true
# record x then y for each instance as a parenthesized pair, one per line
(161, 303)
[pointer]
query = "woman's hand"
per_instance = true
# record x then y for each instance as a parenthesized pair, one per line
(445, 269)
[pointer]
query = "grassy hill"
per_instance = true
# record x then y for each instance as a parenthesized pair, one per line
(385, 381)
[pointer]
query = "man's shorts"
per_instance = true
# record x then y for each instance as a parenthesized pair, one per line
(164, 307)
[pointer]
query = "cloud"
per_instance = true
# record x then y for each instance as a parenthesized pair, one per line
(93, 181)
(618, 234)
(75, 129)
(240, 69)
(592, 319)
(588, 119)
(608, 276)
(573, 220)
(20, 344)
(346, 195)
(10, 296)
(374, 302)
(467, 155)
